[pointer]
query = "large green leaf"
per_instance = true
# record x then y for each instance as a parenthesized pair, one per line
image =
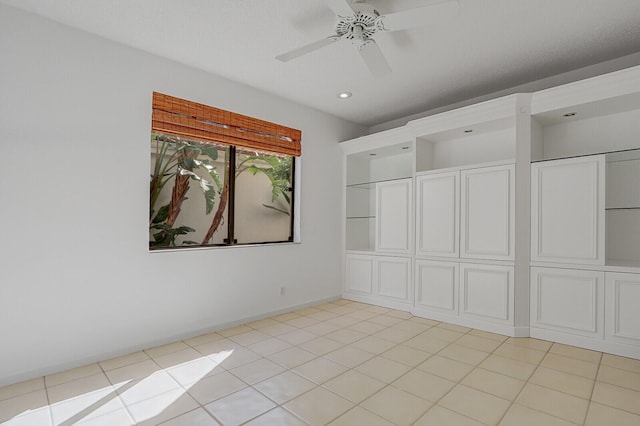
(163, 212)
(208, 189)
(210, 197)
(216, 179)
(211, 152)
(189, 163)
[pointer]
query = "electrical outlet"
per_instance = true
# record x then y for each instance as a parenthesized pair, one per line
(283, 290)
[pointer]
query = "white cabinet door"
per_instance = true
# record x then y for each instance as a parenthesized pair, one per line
(622, 310)
(359, 274)
(394, 216)
(393, 278)
(486, 292)
(568, 300)
(437, 286)
(487, 213)
(437, 214)
(568, 210)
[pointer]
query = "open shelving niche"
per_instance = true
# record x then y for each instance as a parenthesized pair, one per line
(599, 116)
(364, 170)
(471, 145)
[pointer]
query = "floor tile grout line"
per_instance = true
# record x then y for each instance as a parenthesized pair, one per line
(593, 389)
(526, 382)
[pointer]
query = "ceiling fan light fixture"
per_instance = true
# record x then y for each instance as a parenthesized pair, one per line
(344, 95)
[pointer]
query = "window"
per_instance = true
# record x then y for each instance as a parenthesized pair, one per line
(214, 185)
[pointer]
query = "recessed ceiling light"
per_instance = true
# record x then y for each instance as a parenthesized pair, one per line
(468, 130)
(345, 95)
(570, 114)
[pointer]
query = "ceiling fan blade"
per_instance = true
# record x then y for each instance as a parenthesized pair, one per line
(374, 59)
(422, 16)
(340, 7)
(308, 48)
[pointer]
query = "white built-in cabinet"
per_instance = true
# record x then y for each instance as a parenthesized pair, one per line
(379, 237)
(372, 278)
(486, 292)
(436, 285)
(465, 214)
(585, 214)
(568, 210)
(487, 204)
(568, 300)
(394, 217)
(519, 215)
(438, 214)
(622, 321)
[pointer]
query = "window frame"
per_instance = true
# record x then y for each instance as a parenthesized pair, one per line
(203, 124)
(231, 240)
(230, 210)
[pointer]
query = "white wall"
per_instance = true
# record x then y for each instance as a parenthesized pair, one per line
(77, 281)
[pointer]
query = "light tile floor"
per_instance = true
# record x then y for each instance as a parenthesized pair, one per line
(339, 363)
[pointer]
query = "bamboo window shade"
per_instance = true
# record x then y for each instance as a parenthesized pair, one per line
(180, 117)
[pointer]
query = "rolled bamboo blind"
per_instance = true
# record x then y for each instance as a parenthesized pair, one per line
(180, 117)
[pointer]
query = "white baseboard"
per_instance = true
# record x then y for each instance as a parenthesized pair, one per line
(52, 369)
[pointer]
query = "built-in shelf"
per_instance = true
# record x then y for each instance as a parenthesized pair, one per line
(623, 208)
(613, 156)
(614, 265)
(370, 185)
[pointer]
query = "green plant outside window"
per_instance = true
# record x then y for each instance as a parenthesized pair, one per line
(210, 194)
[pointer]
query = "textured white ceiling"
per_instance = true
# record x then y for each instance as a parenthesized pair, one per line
(490, 46)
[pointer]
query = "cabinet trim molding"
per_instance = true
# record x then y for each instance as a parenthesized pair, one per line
(452, 183)
(541, 225)
(622, 318)
(399, 231)
(504, 288)
(506, 252)
(573, 302)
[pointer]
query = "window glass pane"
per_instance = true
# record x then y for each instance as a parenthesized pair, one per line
(187, 191)
(263, 201)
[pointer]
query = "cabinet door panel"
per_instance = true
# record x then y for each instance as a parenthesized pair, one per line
(393, 277)
(359, 274)
(437, 214)
(393, 216)
(567, 216)
(437, 285)
(567, 300)
(487, 212)
(486, 292)
(622, 308)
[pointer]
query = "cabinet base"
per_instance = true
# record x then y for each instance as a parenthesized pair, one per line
(628, 351)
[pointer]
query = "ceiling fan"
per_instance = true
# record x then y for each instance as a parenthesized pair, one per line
(359, 22)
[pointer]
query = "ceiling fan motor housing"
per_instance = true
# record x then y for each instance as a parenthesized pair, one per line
(361, 26)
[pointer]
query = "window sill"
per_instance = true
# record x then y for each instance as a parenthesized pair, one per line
(187, 248)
